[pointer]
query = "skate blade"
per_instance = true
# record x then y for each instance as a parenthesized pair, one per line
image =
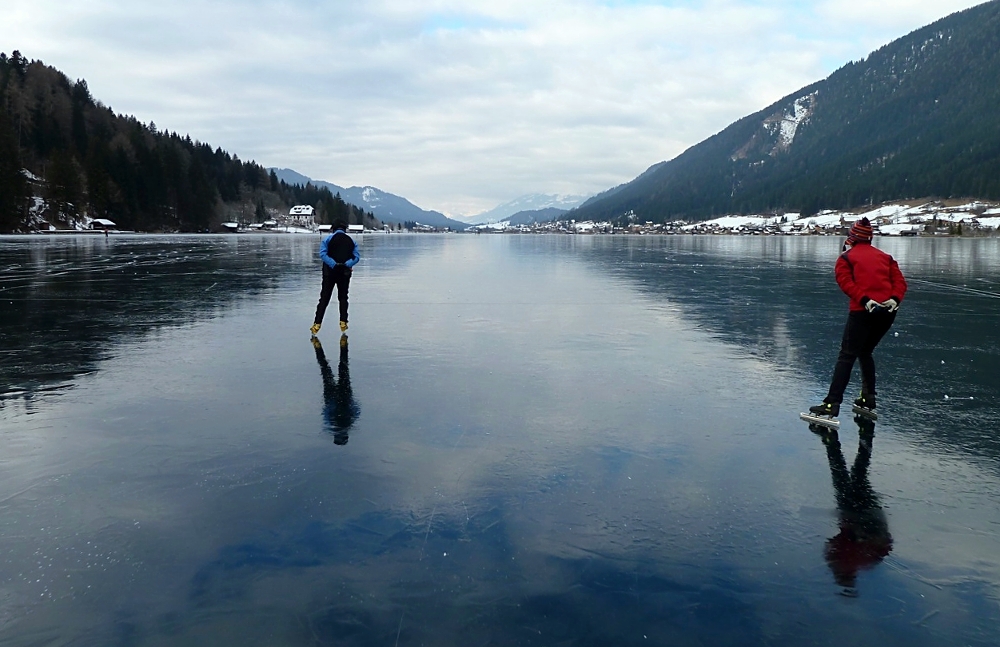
(867, 413)
(825, 421)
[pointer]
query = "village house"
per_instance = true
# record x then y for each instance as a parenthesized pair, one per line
(301, 215)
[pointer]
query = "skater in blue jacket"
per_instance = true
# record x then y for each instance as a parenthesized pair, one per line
(339, 254)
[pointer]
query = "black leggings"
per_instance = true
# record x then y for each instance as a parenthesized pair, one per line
(862, 333)
(341, 277)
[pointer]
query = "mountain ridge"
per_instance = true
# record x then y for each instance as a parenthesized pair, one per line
(526, 203)
(386, 206)
(916, 117)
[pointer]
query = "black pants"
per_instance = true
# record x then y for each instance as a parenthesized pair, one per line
(341, 277)
(863, 332)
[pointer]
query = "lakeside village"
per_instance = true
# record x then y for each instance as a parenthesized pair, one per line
(922, 218)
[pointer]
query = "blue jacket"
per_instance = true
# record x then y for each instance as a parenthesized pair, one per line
(339, 249)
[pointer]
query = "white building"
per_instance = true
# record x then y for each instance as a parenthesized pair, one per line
(301, 214)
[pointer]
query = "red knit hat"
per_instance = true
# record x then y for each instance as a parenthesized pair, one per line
(861, 232)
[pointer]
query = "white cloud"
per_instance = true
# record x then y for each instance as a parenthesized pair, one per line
(456, 105)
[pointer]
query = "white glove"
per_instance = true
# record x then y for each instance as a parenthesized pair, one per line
(891, 304)
(871, 305)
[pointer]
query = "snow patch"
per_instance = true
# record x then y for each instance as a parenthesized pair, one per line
(800, 112)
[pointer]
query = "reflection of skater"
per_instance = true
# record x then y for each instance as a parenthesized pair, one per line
(340, 410)
(864, 539)
(872, 280)
(339, 253)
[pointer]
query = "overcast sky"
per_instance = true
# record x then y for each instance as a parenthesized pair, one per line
(454, 104)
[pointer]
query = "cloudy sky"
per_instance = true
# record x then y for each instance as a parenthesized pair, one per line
(457, 105)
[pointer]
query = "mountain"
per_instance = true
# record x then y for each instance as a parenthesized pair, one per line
(66, 159)
(531, 202)
(918, 117)
(386, 206)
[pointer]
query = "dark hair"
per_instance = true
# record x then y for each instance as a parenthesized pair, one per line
(339, 224)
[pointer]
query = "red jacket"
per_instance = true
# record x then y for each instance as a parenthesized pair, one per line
(866, 272)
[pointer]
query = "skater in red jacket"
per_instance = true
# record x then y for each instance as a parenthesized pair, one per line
(875, 286)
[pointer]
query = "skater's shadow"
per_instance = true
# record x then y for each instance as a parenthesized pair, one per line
(864, 539)
(340, 409)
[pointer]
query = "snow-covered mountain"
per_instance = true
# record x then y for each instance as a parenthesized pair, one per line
(531, 202)
(387, 207)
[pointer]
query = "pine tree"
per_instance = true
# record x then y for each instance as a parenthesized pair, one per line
(13, 185)
(64, 186)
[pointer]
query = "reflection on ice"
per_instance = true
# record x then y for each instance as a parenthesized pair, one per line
(863, 540)
(565, 441)
(340, 409)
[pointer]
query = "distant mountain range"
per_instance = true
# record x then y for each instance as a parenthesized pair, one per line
(919, 117)
(535, 202)
(386, 206)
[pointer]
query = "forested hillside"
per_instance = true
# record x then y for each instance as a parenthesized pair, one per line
(65, 157)
(920, 117)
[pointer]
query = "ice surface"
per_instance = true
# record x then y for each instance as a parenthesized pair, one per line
(544, 439)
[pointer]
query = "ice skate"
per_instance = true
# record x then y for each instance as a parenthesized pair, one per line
(823, 414)
(865, 406)
(343, 326)
(314, 329)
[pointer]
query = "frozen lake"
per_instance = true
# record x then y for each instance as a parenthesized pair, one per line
(526, 441)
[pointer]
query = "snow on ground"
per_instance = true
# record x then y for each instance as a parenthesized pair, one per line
(891, 219)
(821, 220)
(955, 216)
(896, 230)
(588, 226)
(293, 230)
(734, 222)
(493, 226)
(885, 211)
